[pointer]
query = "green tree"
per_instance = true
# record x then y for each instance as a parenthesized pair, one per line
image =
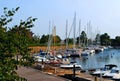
(57, 39)
(97, 39)
(105, 39)
(83, 38)
(35, 40)
(14, 42)
(70, 40)
(44, 39)
(116, 41)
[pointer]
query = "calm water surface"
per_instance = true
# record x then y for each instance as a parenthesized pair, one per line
(110, 56)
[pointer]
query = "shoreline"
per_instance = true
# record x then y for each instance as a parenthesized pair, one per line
(57, 71)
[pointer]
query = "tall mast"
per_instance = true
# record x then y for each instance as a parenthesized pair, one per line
(49, 27)
(49, 39)
(66, 34)
(84, 39)
(87, 33)
(54, 36)
(79, 31)
(74, 30)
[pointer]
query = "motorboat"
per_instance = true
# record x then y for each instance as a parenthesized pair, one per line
(91, 50)
(114, 73)
(65, 60)
(71, 65)
(73, 52)
(41, 57)
(116, 77)
(104, 70)
(85, 53)
(98, 49)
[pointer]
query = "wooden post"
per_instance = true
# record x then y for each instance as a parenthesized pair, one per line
(74, 70)
(100, 76)
(42, 66)
(95, 78)
(55, 70)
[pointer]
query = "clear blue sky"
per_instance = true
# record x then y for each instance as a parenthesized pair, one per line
(104, 14)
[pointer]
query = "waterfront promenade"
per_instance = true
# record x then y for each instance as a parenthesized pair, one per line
(35, 75)
(32, 74)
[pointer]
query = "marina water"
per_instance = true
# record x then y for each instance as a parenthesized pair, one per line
(99, 60)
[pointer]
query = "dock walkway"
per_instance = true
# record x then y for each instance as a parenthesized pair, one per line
(51, 74)
(35, 75)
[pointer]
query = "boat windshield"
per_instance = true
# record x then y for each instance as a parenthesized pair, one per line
(43, 54)
(72, 50)
(106, 68)
(114, 71)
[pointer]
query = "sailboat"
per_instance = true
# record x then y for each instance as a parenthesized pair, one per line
(53, 57)
(73, 52)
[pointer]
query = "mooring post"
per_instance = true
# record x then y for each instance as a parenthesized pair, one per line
(100, 76)
(95, 78)
(42, 66)
(74, 70)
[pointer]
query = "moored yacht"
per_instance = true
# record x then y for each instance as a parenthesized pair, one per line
(116, 77)
(97, 50)
(85, 53)
(104, 70)
(113, 73)
(73, 52)
(42, 56)
(71, 65)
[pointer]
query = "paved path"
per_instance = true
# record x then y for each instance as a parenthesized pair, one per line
(34, 75)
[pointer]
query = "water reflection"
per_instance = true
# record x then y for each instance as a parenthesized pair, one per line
(99, 60)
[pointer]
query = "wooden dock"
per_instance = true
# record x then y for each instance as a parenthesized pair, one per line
(69, 72)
